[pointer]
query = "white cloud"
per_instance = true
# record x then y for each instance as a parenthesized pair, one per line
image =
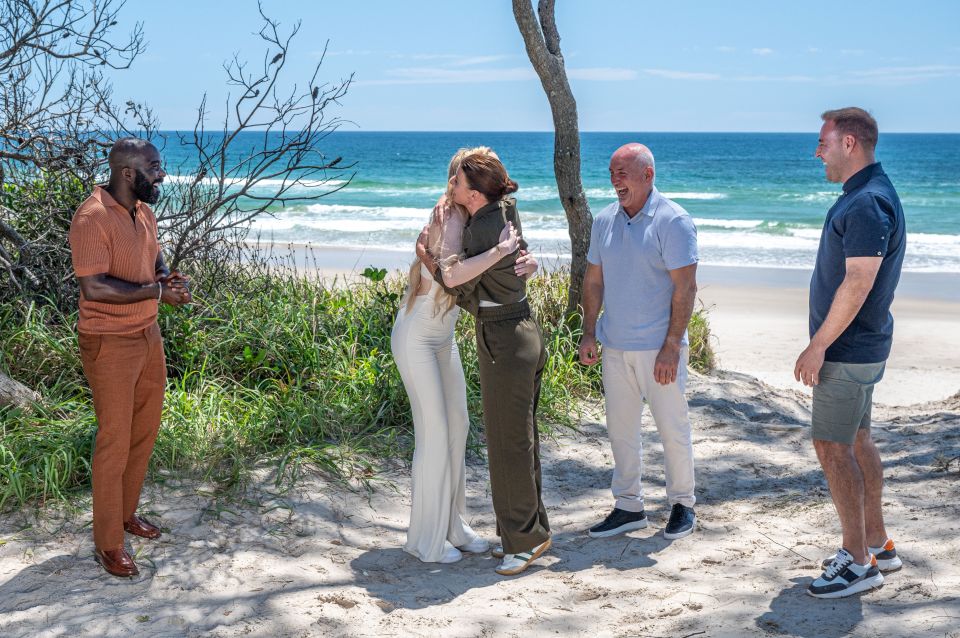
(446, 75)
(881, 76)
(762, 51)
(425, 56)
(726, 49)
(345, 52)
(813, 50)
(602, 74)
(772, 78)
(681, 75)
(900, 75)
(852, 51)
(433, 75)
(478, 59)
(465, 74)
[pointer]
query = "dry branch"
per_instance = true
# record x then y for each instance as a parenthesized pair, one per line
(542, 41)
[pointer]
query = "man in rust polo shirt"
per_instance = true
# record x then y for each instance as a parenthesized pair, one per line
(122, 276)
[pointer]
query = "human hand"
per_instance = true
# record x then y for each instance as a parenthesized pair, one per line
(526, 265)
(509, 241)
(666, 364)
(808, 365)
(422, 248)
(175, 289)
(441, 211)
(588, 350)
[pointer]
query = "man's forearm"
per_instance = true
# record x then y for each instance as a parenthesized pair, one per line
(846, 304)
(107, 289)
(592, 301)
(681, 309)
(160, 268)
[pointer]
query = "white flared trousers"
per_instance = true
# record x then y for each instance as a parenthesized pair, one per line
(429, 363)
(628, 380)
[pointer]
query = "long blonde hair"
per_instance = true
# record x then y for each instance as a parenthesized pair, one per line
(413, 278)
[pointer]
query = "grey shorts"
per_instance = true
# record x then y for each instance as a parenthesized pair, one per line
(843, 399)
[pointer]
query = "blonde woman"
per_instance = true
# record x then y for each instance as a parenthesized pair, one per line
(511, 357)
(429, 363)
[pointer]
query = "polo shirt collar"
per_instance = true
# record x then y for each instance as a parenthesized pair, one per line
(862, 176)
(649, 207)
(104, 197)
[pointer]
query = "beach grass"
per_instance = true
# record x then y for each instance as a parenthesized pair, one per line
(274, 369)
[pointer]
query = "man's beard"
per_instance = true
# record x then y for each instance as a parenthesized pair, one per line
(144, 189)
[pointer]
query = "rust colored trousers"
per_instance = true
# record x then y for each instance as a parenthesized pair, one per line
(127, 374)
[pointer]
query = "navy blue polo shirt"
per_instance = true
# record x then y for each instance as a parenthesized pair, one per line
(866, 221)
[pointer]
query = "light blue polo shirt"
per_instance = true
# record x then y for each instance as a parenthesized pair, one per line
(636, 256)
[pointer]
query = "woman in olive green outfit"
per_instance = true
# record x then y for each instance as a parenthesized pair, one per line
(511, 357)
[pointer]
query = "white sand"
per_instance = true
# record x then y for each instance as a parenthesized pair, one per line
(325, 561)
(762, 330)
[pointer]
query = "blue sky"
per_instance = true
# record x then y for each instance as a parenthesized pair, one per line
(634, 66)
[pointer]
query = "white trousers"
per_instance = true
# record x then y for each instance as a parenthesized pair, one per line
(627, 381)
(429, 363)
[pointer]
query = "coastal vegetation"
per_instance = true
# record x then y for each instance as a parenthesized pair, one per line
(270, 367)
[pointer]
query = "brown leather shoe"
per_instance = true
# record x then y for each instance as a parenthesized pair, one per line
(117, 562)
(141, 527)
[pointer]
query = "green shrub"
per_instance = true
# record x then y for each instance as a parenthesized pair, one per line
(273, 369)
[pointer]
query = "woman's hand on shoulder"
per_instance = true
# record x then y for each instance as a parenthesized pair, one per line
(509, 241)
(441, 211)
(422, 247)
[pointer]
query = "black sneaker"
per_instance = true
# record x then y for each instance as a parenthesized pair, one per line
(682, 520)
(618, 522)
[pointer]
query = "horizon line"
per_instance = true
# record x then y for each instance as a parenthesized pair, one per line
(764, 132)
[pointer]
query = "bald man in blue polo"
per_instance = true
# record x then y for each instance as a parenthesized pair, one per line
(641, 270)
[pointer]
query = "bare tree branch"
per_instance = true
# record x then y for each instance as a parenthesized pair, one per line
(542, 41)
(58, 119)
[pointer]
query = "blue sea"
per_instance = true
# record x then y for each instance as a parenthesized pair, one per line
(758, 199)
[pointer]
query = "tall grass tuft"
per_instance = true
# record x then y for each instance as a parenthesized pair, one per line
(274, 369)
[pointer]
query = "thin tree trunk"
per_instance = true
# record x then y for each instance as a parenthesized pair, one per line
(543, 48)
(15, 393)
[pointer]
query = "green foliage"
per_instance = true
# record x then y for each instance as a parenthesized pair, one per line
(701, 352)
(275, 369)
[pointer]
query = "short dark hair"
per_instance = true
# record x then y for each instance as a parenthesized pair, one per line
(854, 121)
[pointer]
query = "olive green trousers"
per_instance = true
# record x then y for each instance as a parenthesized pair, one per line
(512, 356)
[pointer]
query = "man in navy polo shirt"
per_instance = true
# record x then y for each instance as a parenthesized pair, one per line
(642, 268)
(851, 330)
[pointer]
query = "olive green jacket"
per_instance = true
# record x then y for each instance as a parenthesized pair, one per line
(500, 283)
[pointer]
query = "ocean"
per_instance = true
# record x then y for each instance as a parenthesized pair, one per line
(758, 199)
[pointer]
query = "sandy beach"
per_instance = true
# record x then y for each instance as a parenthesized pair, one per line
(758, 318)
(325, 559)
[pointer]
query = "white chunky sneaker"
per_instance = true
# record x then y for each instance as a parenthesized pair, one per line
(450, 554)
(476, 546)
(887, 559)
(844, 577)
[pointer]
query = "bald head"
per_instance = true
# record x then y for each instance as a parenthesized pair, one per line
(632, 173)
(126, 152)
(637, 153)
(135, 171)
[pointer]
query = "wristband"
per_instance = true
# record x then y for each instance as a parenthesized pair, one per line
(160, 294)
